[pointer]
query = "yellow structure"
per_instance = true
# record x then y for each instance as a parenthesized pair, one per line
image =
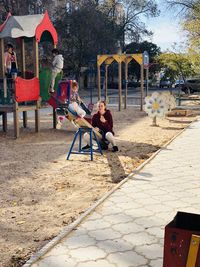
(193, 251)
(120, 58)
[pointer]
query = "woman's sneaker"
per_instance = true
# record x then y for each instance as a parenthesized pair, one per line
(85, 147)
(115, 149)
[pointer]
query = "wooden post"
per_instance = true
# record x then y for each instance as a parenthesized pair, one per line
(120, 84)
(23, 63)
(25, 119)
(4, 118)
(99, 82)
(36, 58)
(54, 118)
(106, 84)
(142, 86)
(16, 119)
(37, 117)
(2, 68)
(23, 57)
(126, 82)
(36, 71)
(147, 81)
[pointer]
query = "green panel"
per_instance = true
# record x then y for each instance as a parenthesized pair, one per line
(45, 81)
(8, 99)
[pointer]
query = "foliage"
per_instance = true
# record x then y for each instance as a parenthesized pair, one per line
(176, 64)
(153, 51)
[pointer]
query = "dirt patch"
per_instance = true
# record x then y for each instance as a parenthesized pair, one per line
(41, 192)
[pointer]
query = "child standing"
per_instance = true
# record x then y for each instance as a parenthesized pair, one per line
(10, 62)
(57, 66)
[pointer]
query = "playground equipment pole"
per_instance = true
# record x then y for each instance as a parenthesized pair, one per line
(120, 84)
(106, 83)
(142, 85)
(126, 84)
(99, 82)
(36, 70)
(147, 80)
(23, 75)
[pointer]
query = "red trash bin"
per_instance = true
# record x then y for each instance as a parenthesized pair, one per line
(178, 234)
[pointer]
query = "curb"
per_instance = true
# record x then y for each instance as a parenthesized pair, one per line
(68, 229)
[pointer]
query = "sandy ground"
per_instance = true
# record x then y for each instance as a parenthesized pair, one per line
(41, 192)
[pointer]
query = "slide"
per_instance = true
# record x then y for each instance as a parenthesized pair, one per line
(45, 80)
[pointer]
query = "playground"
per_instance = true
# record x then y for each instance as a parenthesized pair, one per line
(41, 192)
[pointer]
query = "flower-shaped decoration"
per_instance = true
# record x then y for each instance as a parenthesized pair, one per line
(155, 105)
(169, 99)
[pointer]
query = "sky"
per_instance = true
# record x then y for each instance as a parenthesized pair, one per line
(166, 28)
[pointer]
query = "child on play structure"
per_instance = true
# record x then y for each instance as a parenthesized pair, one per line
(10, 62)
(57, 66)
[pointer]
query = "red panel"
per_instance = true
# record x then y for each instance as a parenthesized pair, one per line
(46, 25)
(27, 90)
(4, 23)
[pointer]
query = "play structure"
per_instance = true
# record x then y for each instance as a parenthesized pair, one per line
(22, 94)
(107, 60)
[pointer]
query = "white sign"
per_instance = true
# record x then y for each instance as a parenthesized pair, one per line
(146, 59)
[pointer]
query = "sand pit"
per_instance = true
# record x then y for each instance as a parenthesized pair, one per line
(41, 192)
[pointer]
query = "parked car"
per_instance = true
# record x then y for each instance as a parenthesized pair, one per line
(165, 83)
(179, 83)
(191, 86)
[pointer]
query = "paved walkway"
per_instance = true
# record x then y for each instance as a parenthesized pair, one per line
(127, 229)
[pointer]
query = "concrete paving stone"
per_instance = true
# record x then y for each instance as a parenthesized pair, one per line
(105, 234)
(141, 238)
(78, 232)
(87, 254)
(146, 187)
(166, 216)
(156, 231)
(152, 251)
(194, 191)
(140, 195)
(156, 263)
(108, 203)
(129, 205)
(96, 263)
(147, 222)
(124, 199)
(95, 225)
(159, 208)
(118, 218)
(167, 197)
(110, 210)
(126, 259)
(79, 241)
(95, 216)
(148, 201)
(117, 245)
(138, 213)
(58, 261)
(128, 228)
(176, 204)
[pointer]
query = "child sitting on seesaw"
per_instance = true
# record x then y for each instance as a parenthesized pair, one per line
(75, 101)
(74, 106)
